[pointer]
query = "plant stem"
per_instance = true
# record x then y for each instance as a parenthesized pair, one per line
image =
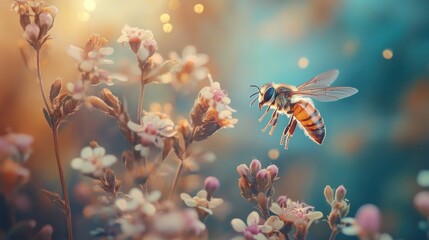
(333, 234)
(57, 153)
(63, 185)
(39, 78)
(176, 179)
(140, 103)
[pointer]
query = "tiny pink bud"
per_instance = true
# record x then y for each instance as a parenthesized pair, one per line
(263, 177)
(211, 184)
(255, 166)
(421, 202)
(31, 32)
(368, 217)
(340, 193)
(281, 200)
(273, 170)
(45, 20)
(329, 195)
(243, 170)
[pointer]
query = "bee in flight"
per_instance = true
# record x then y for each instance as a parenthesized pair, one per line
(295, 103)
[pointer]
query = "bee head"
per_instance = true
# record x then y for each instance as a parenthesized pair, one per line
(266, 94)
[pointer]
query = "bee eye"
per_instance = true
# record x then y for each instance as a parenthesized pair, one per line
(268, 94)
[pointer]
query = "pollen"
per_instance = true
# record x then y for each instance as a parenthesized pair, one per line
(273, 154)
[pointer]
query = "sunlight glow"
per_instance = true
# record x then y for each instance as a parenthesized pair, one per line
(199, 8)
(83, 16)
(89, 5)
(165, 18)
(303, 62)
(167, 27)
(388, 53)
(273, 154)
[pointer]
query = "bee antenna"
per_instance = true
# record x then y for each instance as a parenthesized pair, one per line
(253, 85)
(253, 94)
(254, 100)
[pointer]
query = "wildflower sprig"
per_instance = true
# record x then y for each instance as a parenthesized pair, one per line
(339, 207)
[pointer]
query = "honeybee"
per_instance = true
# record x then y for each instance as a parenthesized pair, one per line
(296, 103)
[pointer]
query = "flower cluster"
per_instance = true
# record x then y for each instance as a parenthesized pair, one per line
(89, 59)
(93, 160)
(203, 202)
(297, 214)
(140, 217)
(211, 111)
(253, 229)
(36, 20)
(256, 183)
(339, 206)
(16, 146)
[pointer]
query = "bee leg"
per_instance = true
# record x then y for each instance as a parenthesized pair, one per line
(273, 117)
(290, 133)
(285, 132)
(276, 118)
(265, 114)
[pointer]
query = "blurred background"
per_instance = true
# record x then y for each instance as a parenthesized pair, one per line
(377, 141)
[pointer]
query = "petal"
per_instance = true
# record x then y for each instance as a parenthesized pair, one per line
(87, 167)
(190, 202)
(275, 208)
(86, 152)
(153, 196)
(202, 59)
(136, 194)
(143, 54)
(76, 163)
(201, 73)
(207, 210)
(189, 50)
(134, 127)
(259, 236)
(253, 218)
(202, 194)
(149, 209)
(185, 196)
(99, 151)
(106, 51)
(238, 225)
(315, 215)
(215, 202)
(75, 52)
(122, 39)
(108, 160)
(352, 230)
(266, 228)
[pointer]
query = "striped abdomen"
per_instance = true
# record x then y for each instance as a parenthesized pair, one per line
(310, 119)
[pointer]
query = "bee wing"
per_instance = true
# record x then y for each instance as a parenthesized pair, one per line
(322, 80)
(328, 94)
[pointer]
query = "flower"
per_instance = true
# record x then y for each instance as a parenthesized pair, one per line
(152, 130)
(272, 224)
(137, 201)
(16, 146)
(92, 161)
(91, 57)
(141, 41)
(365, 224)
(12, 176)
(179, 223)
(250, 231)
(296, 210)
(191, 68)
(77, 89)
(339, 205)
(421, 202)
(200, 201)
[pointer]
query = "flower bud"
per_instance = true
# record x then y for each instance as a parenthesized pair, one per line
(151, 46)
(109, 98)
(52, 10)
(243, 170)
(255, 166)
(421, 202)
(263, 178)
(273, 170)
(340, 193)
(282, 201)
(45, 20)
(211, 184)
(31, 32)
(329, 195)
(135, 42)
(368, 217)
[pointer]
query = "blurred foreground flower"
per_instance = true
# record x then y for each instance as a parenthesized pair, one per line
(12, 176)
(365, 225)
(16, 146)
(93, 160)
